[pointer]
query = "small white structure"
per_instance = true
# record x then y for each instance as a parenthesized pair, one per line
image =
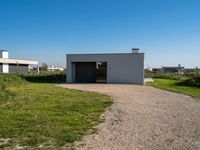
(14, 65)
(53, 68)
(110, 68)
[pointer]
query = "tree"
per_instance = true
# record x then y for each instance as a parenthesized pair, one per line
(44, 67)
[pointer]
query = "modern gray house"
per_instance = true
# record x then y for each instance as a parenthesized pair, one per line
(14, 65)
(175, 69)
(170, 69)
(106, 68)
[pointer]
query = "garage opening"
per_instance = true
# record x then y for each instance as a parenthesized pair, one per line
(91, 72)
(85, 72)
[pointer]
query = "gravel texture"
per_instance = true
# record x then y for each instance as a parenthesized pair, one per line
(143, 117)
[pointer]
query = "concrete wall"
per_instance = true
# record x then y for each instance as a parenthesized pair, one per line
(121, 68)
(3, 54)
(13, 68)
(5, 68)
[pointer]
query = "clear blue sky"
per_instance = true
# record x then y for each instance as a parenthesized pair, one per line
(168, 31)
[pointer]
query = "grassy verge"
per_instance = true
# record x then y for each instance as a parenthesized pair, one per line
(175, 86)
(41, 114)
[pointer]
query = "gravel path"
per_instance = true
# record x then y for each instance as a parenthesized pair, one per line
(144, 117)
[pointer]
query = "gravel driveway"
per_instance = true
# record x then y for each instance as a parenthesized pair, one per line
(144, 117)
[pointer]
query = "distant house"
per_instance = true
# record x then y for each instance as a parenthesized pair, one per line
(170, 69)
(178, 69)
(53, 68)
(14, 65)
(157, 69)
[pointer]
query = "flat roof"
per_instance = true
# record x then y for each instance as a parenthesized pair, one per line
(105, 53)
(173, 67)
(18, 61)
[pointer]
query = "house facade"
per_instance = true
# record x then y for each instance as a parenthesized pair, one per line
(107, 68)
(175, 69)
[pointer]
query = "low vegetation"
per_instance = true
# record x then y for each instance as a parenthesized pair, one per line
(7, 80)
(187, 83)
(192, 81)
(37, 114)
(160, 75)
(46, 77)
(175, 86)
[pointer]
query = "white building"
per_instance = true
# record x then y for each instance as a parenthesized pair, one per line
(14, 65)
(53, 68)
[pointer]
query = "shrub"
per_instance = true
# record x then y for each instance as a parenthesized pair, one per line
(46, 77)
(172, 76)
(192, 81)
(10, 78)
(6, 80)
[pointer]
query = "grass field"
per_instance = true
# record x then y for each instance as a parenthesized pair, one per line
(174, 86)
(41, 114)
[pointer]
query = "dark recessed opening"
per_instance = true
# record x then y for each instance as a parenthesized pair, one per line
(101, 72)
(91, 72)
(85, 72)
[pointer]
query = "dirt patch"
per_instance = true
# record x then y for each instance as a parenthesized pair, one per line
(144, 117)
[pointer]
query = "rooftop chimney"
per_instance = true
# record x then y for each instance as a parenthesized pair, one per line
(135, 50)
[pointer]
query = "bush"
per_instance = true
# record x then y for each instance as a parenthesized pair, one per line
(6, 80)
(192, 81)
(191, 74)
(46, 77)
(10, 78)
(172, 76)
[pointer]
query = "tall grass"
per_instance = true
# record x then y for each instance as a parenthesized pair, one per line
(187, 79)
(7, 80)
(172, 76)
(41, 114)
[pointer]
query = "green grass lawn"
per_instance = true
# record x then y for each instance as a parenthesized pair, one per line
(174, 86)
(43, 114)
